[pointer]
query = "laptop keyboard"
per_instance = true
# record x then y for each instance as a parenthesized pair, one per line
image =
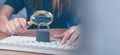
(31, 42)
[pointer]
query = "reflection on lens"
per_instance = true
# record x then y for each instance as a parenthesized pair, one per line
(41, 16)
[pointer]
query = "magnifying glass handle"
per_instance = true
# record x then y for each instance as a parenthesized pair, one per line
(29, 24)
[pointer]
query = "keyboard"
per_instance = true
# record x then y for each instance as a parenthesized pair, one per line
(29, 44)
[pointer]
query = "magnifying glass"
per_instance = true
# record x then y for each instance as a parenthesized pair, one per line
(41, 16)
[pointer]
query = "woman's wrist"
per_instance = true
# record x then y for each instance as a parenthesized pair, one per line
(2, 28)
(4, 20)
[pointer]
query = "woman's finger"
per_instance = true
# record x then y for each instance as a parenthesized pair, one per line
(9, 29)
(67, 35)
(16, 22)
(23, 23)
(73, 37)
(58, 36)
(12, 27)
(65, 38)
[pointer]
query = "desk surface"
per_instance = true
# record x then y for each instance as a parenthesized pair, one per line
(30, 32)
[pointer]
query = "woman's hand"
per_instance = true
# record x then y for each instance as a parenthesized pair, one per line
(15, 26)
(70, 35)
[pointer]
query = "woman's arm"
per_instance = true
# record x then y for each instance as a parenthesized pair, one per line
(5, 12)
(17, 25)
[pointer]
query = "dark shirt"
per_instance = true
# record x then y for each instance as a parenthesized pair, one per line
(65, 20)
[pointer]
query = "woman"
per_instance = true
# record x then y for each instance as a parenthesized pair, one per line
(62, 10)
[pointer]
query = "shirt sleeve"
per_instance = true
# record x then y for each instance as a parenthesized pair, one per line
(17, 5)
(73, 21)
(73, 13)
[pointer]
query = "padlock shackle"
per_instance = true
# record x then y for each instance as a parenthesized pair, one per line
(40, 24)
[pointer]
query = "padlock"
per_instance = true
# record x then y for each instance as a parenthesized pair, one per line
(42, 35)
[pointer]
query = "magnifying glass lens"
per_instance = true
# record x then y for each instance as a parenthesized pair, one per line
(41, 18)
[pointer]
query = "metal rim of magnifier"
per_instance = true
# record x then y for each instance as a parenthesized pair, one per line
(41, 12)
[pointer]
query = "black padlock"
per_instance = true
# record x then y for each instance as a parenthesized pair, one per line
(43, 35)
